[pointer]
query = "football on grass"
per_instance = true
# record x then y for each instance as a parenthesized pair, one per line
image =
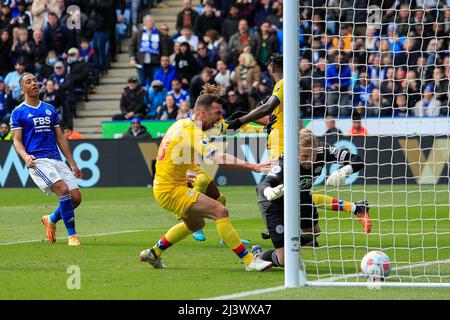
(376, 265)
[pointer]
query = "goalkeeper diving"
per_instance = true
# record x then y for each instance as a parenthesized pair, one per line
(313, 157)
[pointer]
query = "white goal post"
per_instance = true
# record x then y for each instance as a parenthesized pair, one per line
(398, 55)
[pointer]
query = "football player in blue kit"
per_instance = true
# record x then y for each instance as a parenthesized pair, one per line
(36, 137)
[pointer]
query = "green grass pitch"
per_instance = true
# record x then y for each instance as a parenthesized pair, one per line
(115, 224)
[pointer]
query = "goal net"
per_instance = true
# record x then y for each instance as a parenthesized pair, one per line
(374, 79)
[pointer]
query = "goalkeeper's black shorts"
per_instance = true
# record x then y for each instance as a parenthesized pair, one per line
(273, 215)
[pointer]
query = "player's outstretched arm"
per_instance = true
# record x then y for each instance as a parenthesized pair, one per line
(63, 145)
(20, 149)
(230, 161)
(258, 113)
(272, 186)
(351, 163)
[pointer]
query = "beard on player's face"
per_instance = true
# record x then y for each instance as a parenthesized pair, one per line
(209, 118)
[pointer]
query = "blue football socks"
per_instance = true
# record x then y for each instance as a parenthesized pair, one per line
(56, 216)
(68, 214)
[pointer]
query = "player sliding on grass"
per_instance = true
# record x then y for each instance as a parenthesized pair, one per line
(36, 137)
(312, 157)
(183, 147)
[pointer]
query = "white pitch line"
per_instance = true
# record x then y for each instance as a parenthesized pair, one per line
(279, 288)
(246, 294)
(82, 236)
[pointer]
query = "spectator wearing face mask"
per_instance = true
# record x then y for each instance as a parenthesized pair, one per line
(77, 68)
(48, 66)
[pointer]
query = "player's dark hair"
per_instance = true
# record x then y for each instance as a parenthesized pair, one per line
(356, 116)
(208, 95)
(22, 77)
(276, 60)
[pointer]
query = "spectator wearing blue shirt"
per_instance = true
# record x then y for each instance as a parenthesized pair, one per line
(166, 73)
(337, 82)
(178, 92)
(395, 41)
(12, 79)
(156, 96)
(375, 73)
(361, 92)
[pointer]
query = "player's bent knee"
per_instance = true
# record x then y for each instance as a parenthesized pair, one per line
(75, 194)
(194, 224)
(61, 189)
(76, 201)
(221, 212)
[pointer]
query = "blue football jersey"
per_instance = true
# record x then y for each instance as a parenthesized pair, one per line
(38, 129)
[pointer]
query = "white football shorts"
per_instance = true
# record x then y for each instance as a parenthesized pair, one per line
(49, 171)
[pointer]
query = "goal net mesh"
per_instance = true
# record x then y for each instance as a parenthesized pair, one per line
(374, 78)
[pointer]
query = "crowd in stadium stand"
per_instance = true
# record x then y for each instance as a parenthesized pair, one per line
(219, 42)
(67, 44)
(400, 67)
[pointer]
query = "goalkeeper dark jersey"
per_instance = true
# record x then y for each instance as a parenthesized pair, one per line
(325, 154)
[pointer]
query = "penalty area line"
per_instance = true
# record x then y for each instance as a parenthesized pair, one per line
(82, 236)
